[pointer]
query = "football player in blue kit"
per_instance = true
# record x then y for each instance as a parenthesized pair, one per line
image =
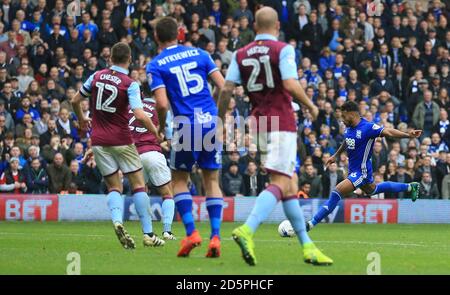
(178, 76)
(360, 136)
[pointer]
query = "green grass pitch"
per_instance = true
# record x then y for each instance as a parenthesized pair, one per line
(42, 248)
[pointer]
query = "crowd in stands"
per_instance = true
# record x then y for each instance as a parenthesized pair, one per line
(393, 61)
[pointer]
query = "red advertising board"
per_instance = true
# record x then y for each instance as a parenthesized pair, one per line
(201, 213)
(370, 211)
(28, 207)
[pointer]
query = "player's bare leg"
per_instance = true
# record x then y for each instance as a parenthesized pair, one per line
(115, 204)
(311, 254)
(344, 188)
(265, 203)
(168, 210)
(214, 205)
(183, 203)
(142, 203)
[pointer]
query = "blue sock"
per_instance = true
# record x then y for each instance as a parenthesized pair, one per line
(294, 213)
(265, 203)
(327, 208)
(168, 211)
(115, 205)
(142, 204)
(214, 207)
(390, 187)
(183, 202)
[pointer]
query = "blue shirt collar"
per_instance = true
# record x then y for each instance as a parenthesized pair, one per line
(119, 69)
(265, 37)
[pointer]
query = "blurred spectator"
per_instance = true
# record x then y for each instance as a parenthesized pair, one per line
(309, 175)
(429, 189)
(399, 176)
(330, 179)
(13, 179)
(254, 181)
(37, 178)
(59, 175)
(426, 114)
(305, 188)
(232, 181)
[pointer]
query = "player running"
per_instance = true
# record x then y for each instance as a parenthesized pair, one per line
(111, 93)
(179, 75)
(360, 136)
(268, 70)
(156, 170)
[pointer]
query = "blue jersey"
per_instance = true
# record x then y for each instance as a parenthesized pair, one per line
(359, 141)
(184, 72)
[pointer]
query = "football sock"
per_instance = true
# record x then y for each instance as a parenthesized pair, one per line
(214, 207)
(265, 203)
(115, 205)
(142, 205)
(391, 187)
(183, 202)
(327, 208)
(168, 211)
(294, 213)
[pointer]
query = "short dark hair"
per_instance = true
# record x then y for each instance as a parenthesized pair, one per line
(350, 106)
(167, 29)
(120, 53)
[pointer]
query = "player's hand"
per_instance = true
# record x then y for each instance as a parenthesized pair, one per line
(330, 161)
(16, 185)
(85, 123)
(415, 133)
(314, 112)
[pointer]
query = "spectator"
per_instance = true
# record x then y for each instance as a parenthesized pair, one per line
(330, 179)
(312, 36)
(59, 175)
(52, 130)
(37, 178)
(310, 176)
(243, 11)
(78, 181)
(13, 179)
(232, 181)
(305, 188)
(428, 187)
(381, 83)
(91, 173)
(246, 34)
(426, 114)
(25, 108)
(254, 181)
(223, 52)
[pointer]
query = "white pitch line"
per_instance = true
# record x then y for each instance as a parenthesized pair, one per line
(281, 240)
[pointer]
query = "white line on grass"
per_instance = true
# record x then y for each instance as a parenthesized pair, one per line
(281, 240)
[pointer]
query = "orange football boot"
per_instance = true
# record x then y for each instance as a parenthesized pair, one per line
(189, 243)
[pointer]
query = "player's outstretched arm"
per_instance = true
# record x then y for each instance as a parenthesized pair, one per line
(162, 106)
(296, 90)
(76, 104)
(394, 133)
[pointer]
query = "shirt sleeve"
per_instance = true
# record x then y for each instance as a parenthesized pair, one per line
(209, 63)
(374, 130)
(155, 80)
(233, 73)
(288, 66)
(134, 96)
(86, 89)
